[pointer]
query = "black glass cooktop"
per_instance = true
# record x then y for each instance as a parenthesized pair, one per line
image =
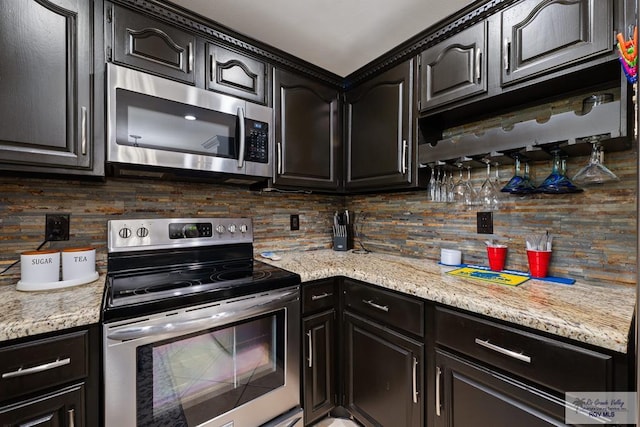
(138, 292)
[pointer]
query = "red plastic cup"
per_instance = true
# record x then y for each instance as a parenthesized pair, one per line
(497, 256)
(538, 263)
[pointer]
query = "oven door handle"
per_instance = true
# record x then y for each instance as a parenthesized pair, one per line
(238, 312)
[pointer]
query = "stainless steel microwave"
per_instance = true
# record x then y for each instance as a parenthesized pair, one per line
(155, 124)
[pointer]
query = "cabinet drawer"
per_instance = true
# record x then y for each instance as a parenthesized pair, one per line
(554, 364)
(386, 307)
(37, 365)
(318, 295)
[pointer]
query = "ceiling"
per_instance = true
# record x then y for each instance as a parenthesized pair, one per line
(340, 36)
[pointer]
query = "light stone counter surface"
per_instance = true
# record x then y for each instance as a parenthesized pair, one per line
(597, 314)
(30, 313)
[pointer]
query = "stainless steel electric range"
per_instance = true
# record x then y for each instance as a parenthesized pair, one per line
(195, 331)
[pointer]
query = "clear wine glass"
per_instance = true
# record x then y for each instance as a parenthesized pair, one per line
(594, 172)
(437, 186)
(432, 184)
(488, 195)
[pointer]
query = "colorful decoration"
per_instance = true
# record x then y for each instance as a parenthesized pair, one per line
(628, 56)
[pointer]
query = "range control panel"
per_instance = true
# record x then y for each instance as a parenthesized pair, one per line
(166, 233)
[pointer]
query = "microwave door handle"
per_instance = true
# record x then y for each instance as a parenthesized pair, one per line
(241, 146)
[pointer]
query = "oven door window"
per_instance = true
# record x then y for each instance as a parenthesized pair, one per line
(191, 379)
(150, 122)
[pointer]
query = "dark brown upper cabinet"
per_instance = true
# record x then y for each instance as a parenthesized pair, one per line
(307, 133)
(542, 36)
(46, 88)
(380, 142)
(235, 74)
(455, 68)
(150, 45)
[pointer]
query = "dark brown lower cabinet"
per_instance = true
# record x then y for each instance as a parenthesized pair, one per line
(470, 395)
(62, 408)
(319, 365)
(383, 371)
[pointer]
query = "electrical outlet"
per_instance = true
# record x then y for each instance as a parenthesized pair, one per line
(56, 227)
(294, 222)
(485, 222)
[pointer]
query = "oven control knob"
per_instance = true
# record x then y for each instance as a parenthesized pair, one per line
(243, 228)
(232, 228)
(142, 232)
(220, 229)
(125, 232)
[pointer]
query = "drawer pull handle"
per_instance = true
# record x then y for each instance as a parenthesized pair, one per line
(510, 353)
(438, 374)
(317, 297)
(384, 308)
(83, 131)
(34, 370)
(415, 380)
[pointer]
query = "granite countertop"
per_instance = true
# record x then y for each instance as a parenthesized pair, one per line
(598, 314)
(593, 313)
(30, 313)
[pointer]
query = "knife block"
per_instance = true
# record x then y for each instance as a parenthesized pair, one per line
(343, 243)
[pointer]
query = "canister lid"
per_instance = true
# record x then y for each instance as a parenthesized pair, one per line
(41, 252)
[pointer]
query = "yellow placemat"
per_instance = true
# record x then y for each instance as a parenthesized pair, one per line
(497, 277)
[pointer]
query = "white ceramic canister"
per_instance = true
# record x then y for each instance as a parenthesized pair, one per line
(40, 266)
(78, 263)
(450, 256)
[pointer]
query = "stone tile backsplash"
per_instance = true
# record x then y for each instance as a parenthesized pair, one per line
(595, 231)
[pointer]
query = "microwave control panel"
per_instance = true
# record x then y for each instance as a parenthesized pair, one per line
(257, 141)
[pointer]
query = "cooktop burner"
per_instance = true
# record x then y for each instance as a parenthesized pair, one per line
(158, 265)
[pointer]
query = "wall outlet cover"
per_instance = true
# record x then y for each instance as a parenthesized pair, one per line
(294, 222)
(485, 222)
(57, 227)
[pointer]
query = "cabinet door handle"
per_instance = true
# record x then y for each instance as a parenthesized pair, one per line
(438, 375)
(190, 57)
(478, 64)
(317, 297)
(404, 156)
(310, 358)
(510, 353)
(83, 130)
(35, 369)
(279, 158)
(415, 380)
(506, 55)
(72, 417)
(384, 308)
(212, 64)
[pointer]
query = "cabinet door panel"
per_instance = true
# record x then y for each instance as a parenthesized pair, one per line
(45, 86)
(319, 365)
(573, 30)
(471, 395)
(307, 133)
(153, 46)
(64, 408)
(455, 68)
(383, 374)
(379, 131)
(236, 74)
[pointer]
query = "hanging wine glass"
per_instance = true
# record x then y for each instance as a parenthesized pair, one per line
(516, 179)
(488, 195)
(432, 184)
(462, 191)
(526, 186)
(558, 182)
(594, 172)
